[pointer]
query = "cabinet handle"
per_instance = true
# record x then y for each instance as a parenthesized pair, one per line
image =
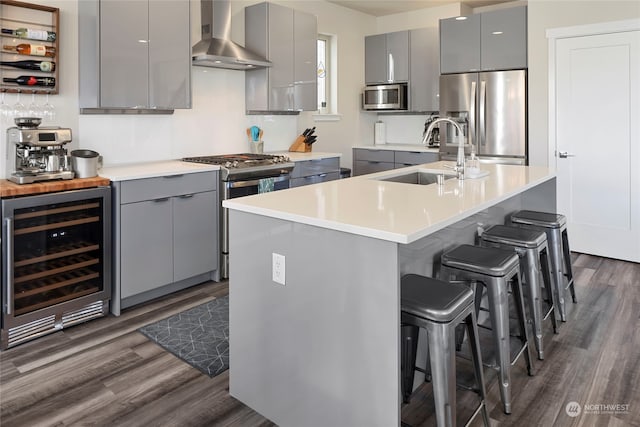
(392, 76)
(173, 176)
(322, 175)
(373, 163)
(164, 199)
(186, 196)
(9, 261)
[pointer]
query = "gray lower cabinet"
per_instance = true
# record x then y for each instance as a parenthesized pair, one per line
(367, 161)
(314, 171)
(412, 158)
(165, 235)
(134, 55)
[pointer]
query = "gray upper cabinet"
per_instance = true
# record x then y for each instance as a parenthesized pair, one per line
(460, 44)
(424, 80)
(387, 57)
(287, 38)
(504, 39)
(495, 40)
(134, 54)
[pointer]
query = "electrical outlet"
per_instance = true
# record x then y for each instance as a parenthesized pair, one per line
(278, 269)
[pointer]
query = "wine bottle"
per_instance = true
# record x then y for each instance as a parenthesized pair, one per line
(32, 49)
(45, 66)
(31, 81)
(25, 33)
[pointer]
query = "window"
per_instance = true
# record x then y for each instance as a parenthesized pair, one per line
(323, 73)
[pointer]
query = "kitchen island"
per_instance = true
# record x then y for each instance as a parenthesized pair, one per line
(324, 347)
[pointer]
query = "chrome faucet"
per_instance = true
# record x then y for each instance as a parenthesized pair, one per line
(460, 160)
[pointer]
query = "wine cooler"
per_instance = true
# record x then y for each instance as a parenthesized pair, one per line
(56, 262)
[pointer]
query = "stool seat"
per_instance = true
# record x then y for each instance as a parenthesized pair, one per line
(540, 219)
(433, 299)
(514, 236)
(489, 261)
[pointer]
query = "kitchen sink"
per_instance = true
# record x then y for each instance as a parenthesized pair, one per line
(417, 177)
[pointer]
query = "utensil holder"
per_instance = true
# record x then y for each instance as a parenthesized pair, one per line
(256, 147)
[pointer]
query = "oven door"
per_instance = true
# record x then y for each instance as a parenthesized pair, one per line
(239, 188)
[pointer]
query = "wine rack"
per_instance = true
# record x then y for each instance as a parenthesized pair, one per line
(14, 15)
(57, 249)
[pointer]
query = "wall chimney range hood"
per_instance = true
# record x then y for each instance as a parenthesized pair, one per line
(216, 48)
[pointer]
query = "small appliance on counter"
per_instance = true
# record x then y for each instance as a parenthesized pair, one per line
(434, 138)
(40, 153)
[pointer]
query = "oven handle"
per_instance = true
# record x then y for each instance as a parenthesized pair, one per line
(9, 260)
(253, 182)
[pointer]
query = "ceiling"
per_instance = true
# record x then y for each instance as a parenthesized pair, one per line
(389, 7)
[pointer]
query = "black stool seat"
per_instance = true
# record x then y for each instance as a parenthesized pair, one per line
(433, 299)
(514, 236)
(489, 261)
(540, 219)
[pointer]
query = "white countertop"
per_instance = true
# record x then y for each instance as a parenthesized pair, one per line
(397, 212)
(400, 147)
(177, 167)
(152, 169)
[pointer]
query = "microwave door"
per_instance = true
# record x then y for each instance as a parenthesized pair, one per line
(458, 100)
(502, 114)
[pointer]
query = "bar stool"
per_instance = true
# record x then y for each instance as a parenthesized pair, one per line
(531, 247)
(438, 307)
(555, 225)
(495, 269)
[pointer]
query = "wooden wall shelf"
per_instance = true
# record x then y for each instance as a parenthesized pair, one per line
(14, 15)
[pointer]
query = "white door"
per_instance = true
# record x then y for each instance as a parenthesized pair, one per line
(597, 142)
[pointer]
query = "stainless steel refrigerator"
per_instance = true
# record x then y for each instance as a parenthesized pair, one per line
(491, 108)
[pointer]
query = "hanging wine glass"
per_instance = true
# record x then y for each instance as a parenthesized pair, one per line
(6, 110)
(48, 110)
(19, 110)
(34, 109)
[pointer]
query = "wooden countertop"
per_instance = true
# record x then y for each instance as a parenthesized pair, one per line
(9, 189)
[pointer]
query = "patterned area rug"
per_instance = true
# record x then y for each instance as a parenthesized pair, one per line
(199, 336)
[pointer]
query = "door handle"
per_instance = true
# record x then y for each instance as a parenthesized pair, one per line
(564, 154)
(9, 267)
(482, 113)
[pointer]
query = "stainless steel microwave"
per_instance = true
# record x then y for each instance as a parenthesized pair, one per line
(385, 97)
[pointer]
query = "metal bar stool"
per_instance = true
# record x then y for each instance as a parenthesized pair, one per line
(495, 269)
(438, 307)
(555, 225)
(531, 247)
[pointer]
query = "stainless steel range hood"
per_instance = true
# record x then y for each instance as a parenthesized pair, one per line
(216, 48)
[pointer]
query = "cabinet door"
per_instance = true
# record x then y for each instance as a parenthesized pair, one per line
(305, 36)
(424, 69)
(363, 167)
(195, 234)
(398, 56)
(460, 44)
(281, 56)
(504, 39)
(169, 54)
(375, 59)
(124, 68)
(146, 255)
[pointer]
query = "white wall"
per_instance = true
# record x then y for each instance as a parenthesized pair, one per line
(554, 14)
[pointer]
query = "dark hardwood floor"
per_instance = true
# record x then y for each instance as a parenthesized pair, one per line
(104, 372)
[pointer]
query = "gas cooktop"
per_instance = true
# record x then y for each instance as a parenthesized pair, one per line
(246, 165)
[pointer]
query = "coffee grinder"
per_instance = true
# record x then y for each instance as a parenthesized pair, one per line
(40, 152)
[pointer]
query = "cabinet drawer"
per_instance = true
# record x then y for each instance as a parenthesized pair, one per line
(313, 179)
(407, 158)
(166, 186)
(315, 167)
(361, 167)
(373, 155)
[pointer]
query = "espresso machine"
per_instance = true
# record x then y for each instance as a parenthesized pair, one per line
(40, 153)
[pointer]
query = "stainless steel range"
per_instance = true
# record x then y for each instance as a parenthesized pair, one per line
(244, 175)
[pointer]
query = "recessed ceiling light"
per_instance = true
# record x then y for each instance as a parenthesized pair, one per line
(461, 18)
(497, 33)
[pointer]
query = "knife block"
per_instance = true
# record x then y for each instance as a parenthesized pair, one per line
(299, 145)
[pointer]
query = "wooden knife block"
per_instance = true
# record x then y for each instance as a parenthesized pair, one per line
(299, 145)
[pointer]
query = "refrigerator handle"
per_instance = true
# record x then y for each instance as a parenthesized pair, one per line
(482, 116)
(472, 115)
